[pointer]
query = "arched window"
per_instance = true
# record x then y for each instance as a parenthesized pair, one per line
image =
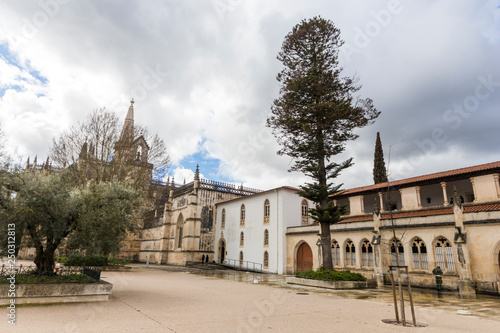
(367, 253)
(223, 219)
(267, 211)
(305, 212)
(266, 259)
(335, 253)
(350, 253)
(419, 251)
(241, 258)
(266, 237)
(397, 244)
(242, 238)
(444, 254)
(242, 216)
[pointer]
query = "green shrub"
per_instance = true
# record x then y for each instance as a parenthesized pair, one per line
(79, 260)
(327, 275)
(61, 260)
(75, 260)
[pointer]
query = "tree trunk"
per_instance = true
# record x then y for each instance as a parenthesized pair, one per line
(44, 260)
(326, 241)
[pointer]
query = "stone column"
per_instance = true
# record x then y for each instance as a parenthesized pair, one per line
(378, 267)
(381, 196)
(497, 184)
(445, 195)
(419, 202)
(474, 189)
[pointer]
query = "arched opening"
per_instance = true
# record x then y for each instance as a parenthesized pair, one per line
(366, 253)
(444, 254)
(305, 212)
(397, 248)
(267, 211)
(304, 257)
(222, 251)
(335, 253)
(350, 253)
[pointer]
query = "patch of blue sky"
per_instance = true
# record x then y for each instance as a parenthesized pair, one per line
(11, 60)
(209, 167)
(4, 89)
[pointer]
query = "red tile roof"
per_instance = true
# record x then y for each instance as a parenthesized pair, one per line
(482, 208)
(357, 219)
(432, 176)
(418, 213)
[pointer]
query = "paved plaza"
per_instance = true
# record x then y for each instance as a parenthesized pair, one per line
(175, 299)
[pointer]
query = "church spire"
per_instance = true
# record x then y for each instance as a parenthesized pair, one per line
(128, 127)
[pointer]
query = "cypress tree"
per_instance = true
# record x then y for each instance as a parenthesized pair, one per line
(379, 170)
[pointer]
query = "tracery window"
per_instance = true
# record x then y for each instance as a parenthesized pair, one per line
(335, 253)
(242, 216)
(266, 237)
(305, 212)
(419, 251)
(350, 253)
(367, 253)
(397, 244)
(444, 254)
(266, 259)
(267, 211)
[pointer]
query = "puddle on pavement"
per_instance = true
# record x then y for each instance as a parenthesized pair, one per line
(481, 306)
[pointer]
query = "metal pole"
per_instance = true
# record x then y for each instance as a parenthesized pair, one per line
(411, 299)
(394, 294)
(402, 299)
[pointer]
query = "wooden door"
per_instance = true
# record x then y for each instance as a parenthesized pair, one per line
(304, 258)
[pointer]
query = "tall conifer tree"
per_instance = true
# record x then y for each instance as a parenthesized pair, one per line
(379, 170)
(315, 116)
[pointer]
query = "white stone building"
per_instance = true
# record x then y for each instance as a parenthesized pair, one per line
(250, 231)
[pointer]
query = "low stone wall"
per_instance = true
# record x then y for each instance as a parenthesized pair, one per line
(57, 293)
(332, 284)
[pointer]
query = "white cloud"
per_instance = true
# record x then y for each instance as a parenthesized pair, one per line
(205, 80)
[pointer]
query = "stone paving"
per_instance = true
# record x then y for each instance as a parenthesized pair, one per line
(179, 299)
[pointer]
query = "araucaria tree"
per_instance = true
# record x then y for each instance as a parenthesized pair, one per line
(316, 114)
(379, 170)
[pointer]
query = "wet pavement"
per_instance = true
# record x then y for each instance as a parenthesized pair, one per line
(482, 306)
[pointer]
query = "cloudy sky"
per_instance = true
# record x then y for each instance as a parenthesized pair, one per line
(202, 74)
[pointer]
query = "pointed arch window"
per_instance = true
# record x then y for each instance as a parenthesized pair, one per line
(397, 244)
(350, 253)
(367, 253)
(266, 259)
(444, 254)
(242, 216)
(419, 252)
(242, 238)
(335, 253)
(267, 211)
(305, 212)
(223, 219)
(266, 237)
(241, 258)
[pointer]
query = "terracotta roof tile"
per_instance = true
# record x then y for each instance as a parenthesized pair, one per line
(438, 175)
(418, 213)
(482, 208)
(357, 219)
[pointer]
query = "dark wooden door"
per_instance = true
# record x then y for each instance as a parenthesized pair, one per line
(304, 258)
